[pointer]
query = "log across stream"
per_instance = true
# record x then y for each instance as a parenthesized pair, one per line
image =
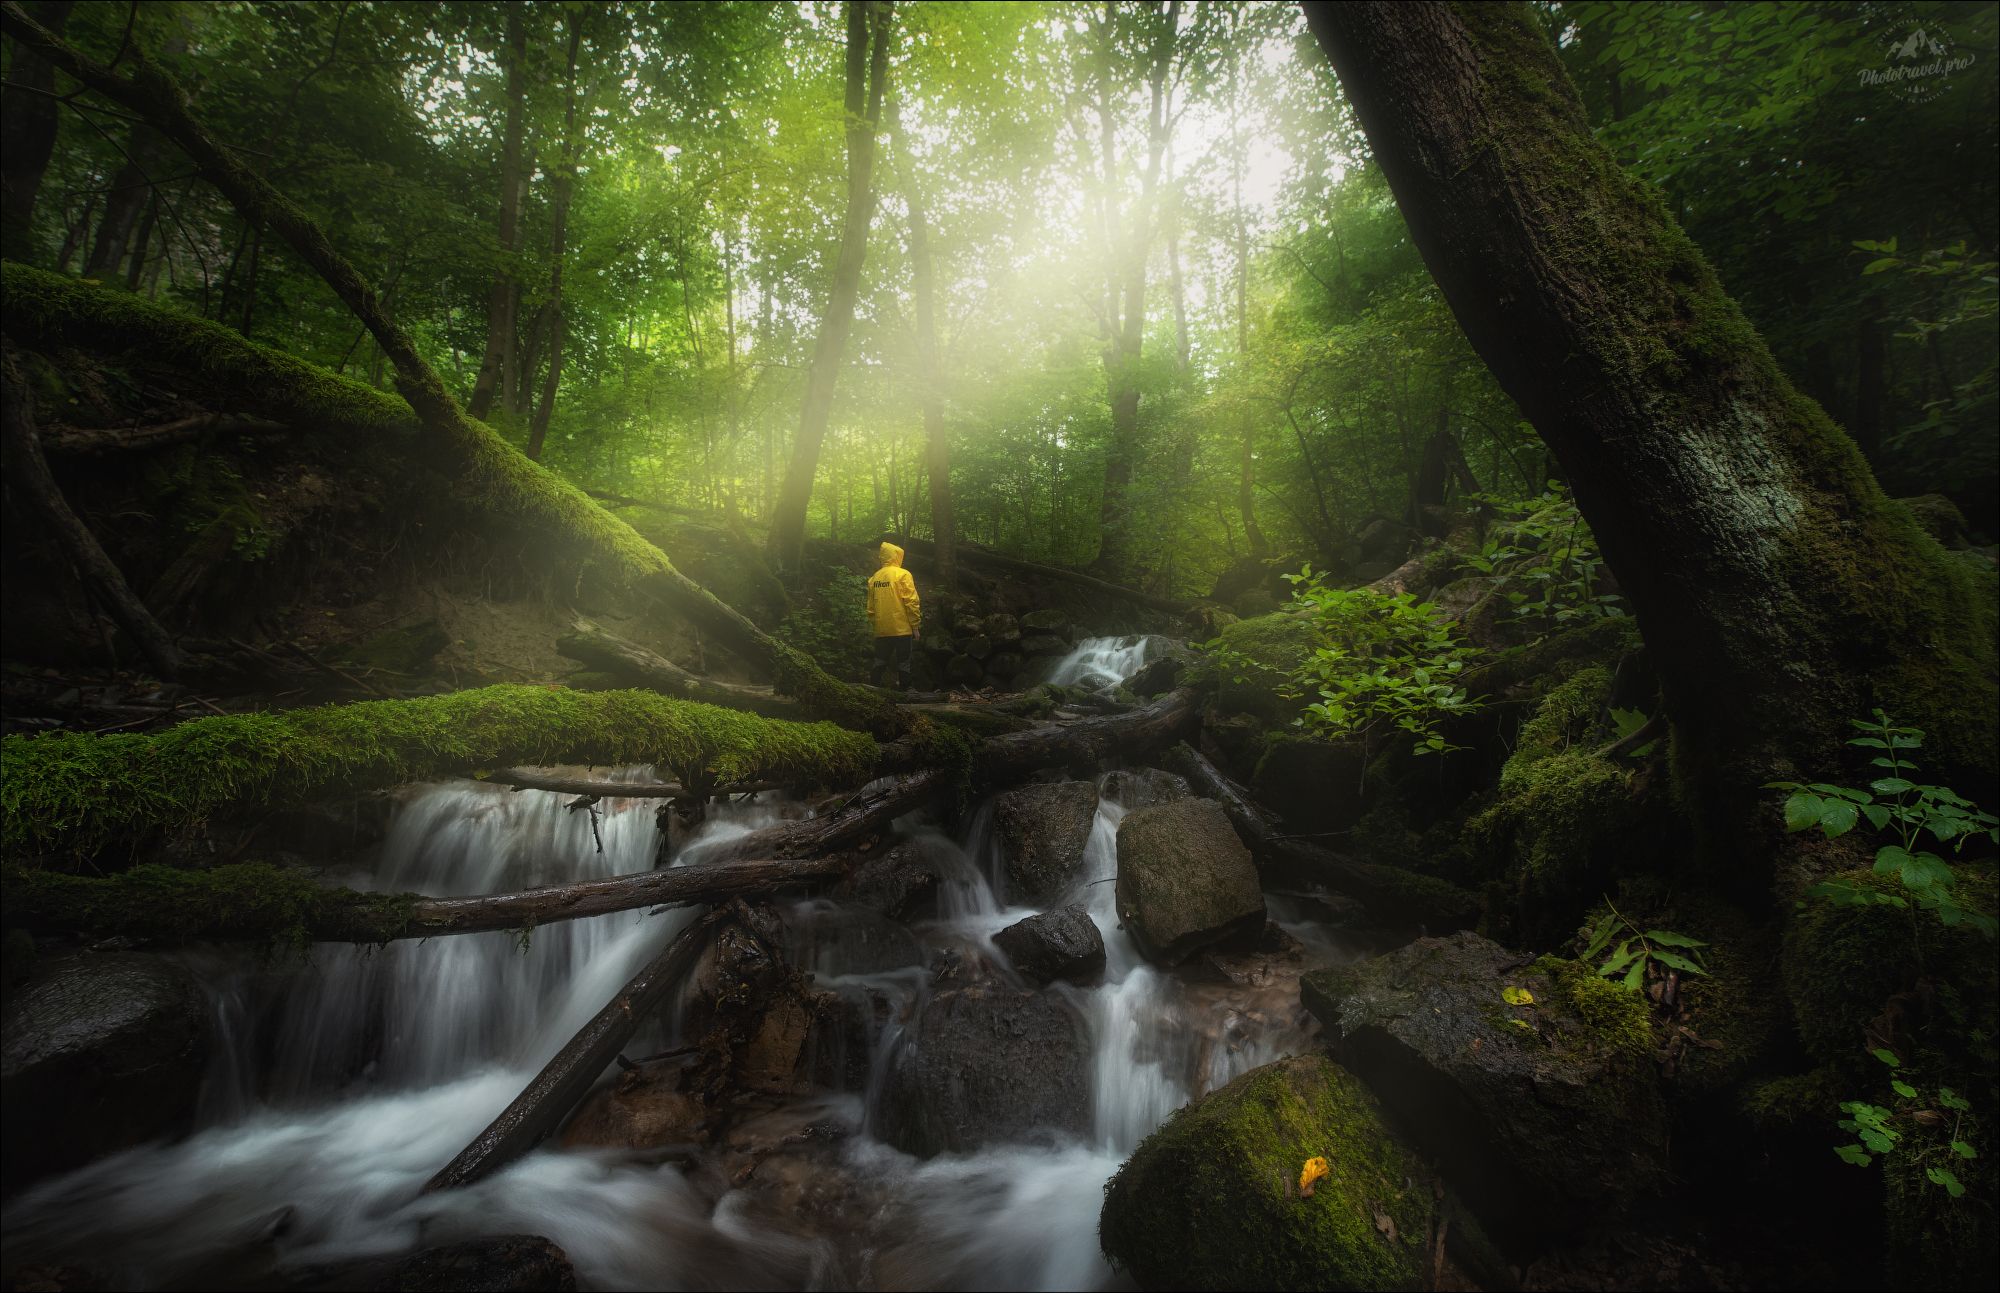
(337, 1089)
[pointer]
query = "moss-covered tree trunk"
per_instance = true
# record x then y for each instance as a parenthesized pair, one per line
(1778, 588)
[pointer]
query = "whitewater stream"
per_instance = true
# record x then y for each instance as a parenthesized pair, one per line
(338, 1088)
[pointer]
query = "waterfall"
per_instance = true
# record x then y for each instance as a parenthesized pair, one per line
(1100, 664)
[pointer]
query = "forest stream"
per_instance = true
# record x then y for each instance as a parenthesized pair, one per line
(341, 1087)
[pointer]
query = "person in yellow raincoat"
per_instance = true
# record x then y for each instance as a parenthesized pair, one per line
(895, 613)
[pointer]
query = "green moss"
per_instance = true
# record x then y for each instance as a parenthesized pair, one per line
(1210, 1199)
(1616, 1020)
(1567, 717)
(250, 900)
(1785, 1102)
(1555, 818)
(482, 468)
(71, 790)
(1274, 646)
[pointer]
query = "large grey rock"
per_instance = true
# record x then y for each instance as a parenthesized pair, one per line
(1142, 788)
(986, 1065)
(1184, 879)
(978, 647)
(1042, 644)
(1003, 629)
(901, 883)
(1004, 664)
(101, 1052)
(1542, 1115)
(1042, 831)
(1059, 944)
(491, 1264)
(1050, 621)
(1163, 672)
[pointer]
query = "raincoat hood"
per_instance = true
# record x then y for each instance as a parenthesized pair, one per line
(891, 555)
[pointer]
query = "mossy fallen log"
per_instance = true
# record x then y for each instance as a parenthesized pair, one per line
(68, 792)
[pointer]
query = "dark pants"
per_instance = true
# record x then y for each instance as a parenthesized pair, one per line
(897, 652)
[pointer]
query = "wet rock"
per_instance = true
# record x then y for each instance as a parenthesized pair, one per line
(1142, 788)
(902, 883)
(978, 647)
(1004, 664)
(985, 1065)
(1185, 880)
(1049, 621)
(102, 1051)
(1042, 644)
(966, 670)
(491, 1264)
(845, 1030)
(835, 938)
(1003, 629)
(1163, 672)
(1042, 831)
(644, 1108)
(1059, 944)
(1229, 1165)
(1541, 1115)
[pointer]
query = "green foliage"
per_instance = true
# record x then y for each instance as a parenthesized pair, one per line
(1640, 955)
(1930, 1129)
(1546, 560)
(68, 791)
(1378, 662)
(830, 623)
(1907, 812)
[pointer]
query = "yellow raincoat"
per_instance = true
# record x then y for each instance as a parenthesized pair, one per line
(893, 608)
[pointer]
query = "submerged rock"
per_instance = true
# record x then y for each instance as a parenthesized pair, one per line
(1184, 879)
(644, 1108)
(1059, 944)
(491, 1264)
(987, 1064)
(1043, 830)
(1212, 1200)
(1540, 1114)
(101, 1052)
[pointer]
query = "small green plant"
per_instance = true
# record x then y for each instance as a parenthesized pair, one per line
(1382, 662)
(1547, 560)
(1931, 1129)
(1641, 953)
(1907, 812)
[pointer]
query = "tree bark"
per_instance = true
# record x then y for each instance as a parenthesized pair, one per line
(29, 116)
(614, 655)
(1779, 591)
(29, 481)
(564, 188)
(867, 79)
(99, 442)
(503, 301)
(567, 1078)
(595, 788)
(937, 441)
(131, 189)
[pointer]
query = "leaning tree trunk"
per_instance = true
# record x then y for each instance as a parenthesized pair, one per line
(28, 120)
(1779, 590)
(867, 78)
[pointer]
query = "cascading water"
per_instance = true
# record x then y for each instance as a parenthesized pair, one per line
(1100, 664)
(378, 1066)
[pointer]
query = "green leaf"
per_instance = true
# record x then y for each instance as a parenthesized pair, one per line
(1887, 1056)
(1853, 1154)
(1963, 1150)
(1891, 785)
(1877, 815)
(1802, 810)
(1635, 977)
(1668, 938)
(1600, 936)
(1837, 819)
(1514, 996)
(1677, 961)
(1947, 1178)
(1951, 1099)
(1903, 1088)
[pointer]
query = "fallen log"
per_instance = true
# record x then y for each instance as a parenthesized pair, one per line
(614, 655)
(1391, 893)
(99, 442)
(672, 887)
(566, 1079)
(969, 554)
(867, 812)
(1087, 740)
(598, 788)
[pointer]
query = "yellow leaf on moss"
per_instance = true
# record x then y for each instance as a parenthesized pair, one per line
(1314, 1169)
(1514, 996)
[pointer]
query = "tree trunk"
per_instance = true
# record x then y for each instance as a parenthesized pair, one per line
(131, 190)
(567, 1078)
(564, 190)
(28, 119)
(867, 78)
(937, 442)
(614, 655)
(34, 489)
(504, 300)
(1779, 591)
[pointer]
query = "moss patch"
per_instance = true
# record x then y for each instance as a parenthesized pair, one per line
(1616, 1021)
(250, 900)
(1273, 646)
(1210, 1200)
(68, 791)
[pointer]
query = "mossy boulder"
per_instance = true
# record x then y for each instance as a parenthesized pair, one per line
(1211, 1200)
(1042, 830)
(1264, 650)
(1543, 1114)
(1185, 881)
